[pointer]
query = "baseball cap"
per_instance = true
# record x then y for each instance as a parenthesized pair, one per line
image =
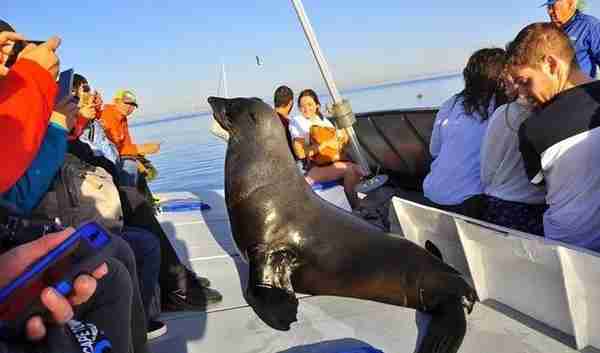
(127, 97)
(6, 27)
(548, 3)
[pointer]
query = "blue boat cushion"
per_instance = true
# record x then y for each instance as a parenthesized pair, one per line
(325, 185)
(183, 205)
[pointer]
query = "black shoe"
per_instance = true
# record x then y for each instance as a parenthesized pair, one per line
(195, 299)
(156, 329)
(196, 281)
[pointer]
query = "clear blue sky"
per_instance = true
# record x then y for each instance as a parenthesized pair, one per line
(169, 52)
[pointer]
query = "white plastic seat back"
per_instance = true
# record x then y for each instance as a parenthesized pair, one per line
(521, 271)
(421, 223)
(333, 193)
(581, 270)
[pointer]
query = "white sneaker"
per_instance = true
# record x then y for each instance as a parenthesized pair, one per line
(156, 329)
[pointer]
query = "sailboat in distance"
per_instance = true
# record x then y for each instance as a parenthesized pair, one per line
(222, 91)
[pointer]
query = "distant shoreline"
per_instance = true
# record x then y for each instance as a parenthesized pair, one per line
(179, 116)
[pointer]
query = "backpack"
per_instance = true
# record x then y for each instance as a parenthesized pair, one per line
(82, 193)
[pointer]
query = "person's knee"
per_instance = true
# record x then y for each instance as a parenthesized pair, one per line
(124, 254)
(143, 242)
(117, 278)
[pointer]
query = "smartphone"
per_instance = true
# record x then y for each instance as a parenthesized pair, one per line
(17, 48)
(65, 84)
(82, 252)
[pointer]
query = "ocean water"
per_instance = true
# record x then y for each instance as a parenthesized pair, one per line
(192, 159)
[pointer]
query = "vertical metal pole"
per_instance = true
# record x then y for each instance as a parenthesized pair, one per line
(328, 77)
(316, 49)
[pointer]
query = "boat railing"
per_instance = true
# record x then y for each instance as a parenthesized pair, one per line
(397, 142)
(554, 283)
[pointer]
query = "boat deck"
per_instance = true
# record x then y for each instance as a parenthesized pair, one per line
(325, 324)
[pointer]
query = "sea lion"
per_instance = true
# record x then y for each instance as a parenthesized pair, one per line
(294, 241)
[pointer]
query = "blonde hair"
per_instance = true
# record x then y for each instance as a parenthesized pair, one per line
(538, 40)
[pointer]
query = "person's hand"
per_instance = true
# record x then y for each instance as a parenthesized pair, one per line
(9, 37)
(15, 261)
(44, 54)
(98, 99)
(65, 113)
(342, 137)
(88, 111)
(7, 41)
(150, 148)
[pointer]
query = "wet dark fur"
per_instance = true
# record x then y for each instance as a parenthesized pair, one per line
(296, 242)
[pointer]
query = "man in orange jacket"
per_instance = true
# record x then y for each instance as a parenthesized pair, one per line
(27, 98)
(114, 119)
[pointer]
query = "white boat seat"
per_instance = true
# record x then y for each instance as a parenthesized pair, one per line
(421, 223)
(333, 192)
(551, 282)
(523, 273)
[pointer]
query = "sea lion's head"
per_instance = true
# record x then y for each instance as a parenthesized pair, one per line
(248, 119)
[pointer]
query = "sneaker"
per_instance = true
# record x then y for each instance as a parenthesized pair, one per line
(156, 329)
(196, 281)
(195, 299)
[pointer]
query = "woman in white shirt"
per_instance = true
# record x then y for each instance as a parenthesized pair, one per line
(351, 173)
(454, 182)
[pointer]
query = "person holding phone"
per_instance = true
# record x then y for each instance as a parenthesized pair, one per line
(100, 298)
(25, 112)
(35, 181)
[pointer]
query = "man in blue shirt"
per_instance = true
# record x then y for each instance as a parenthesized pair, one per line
(582, 29)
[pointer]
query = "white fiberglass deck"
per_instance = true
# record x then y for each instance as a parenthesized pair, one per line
(326, 324)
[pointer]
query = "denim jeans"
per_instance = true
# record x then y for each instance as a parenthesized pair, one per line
(146, 249)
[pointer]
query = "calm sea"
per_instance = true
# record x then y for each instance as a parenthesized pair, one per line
(191, 159)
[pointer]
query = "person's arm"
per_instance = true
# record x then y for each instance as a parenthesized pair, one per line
(435, 144)
(112, 127)
(299, 148)
(128, 148)
(148, 148)
(492, 153)
(33, 185)
(27, 96)
(594, 43)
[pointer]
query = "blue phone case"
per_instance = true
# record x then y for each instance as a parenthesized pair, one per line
(92, 247)
(65, 84)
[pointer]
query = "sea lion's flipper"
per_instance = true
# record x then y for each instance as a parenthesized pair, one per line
(270, 292)
(446, 329)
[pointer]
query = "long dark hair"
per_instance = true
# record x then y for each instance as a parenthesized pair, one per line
(484, 82)
(310, 93)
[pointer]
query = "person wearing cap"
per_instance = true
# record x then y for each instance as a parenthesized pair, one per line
(583, 30)
(114, 119)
